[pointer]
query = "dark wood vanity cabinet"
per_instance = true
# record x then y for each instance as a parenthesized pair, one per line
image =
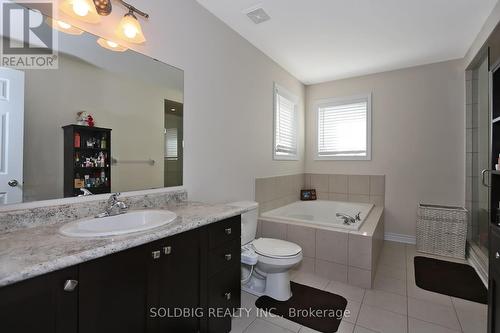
(174, 283)
(40, 304)
(494, 281)
(113, 292)
(223, 283)
(137, 290)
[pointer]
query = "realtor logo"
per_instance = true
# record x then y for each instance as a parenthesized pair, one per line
(27, 40)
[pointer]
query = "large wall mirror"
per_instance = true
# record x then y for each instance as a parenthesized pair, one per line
(136, 143)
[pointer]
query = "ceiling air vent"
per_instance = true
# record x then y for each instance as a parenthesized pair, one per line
(258, 15)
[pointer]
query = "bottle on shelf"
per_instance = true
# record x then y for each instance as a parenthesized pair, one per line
(77, 140)
(104, 143)
(78, 183)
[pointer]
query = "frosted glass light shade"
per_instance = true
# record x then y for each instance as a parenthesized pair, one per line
(130, 29)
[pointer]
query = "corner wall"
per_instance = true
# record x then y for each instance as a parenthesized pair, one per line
(418, 137)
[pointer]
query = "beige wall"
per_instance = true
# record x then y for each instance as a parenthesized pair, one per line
(228, 96)
(418, 137)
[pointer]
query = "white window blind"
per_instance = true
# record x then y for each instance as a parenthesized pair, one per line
(285, 131)
(171, 144)
(343, 131)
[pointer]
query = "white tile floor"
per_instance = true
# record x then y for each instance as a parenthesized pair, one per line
(394, 305)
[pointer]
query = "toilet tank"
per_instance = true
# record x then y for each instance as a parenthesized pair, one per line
(248, 220)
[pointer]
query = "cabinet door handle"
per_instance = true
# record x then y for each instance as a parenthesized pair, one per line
(483, 180)
(228, 257)
(70, 285)
(228, 231)
(227, 296)
(156, 254)
(497, 255)
(167, 250)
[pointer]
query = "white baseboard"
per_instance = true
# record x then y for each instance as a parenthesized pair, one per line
(477, 264)
(400, 238)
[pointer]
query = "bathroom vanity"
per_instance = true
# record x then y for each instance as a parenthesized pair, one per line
(185, 282)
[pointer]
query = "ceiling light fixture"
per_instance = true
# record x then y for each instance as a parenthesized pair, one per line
(64, 27)
(81, 9)
(111, 45)
(91, 11)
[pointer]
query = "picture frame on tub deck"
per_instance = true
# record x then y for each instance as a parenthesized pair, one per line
(307, 195)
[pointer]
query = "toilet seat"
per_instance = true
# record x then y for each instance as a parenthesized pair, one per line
(276, 248)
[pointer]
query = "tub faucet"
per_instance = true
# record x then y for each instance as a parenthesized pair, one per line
(348, 219)
(114, 206)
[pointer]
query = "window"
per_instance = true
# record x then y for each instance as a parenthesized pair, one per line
(285, 125)
(344, 128)
(171, 144)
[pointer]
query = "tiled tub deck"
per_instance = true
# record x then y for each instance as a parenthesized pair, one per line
(346, 256)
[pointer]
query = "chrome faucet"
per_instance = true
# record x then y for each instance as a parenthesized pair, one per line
(348, 219)
(85, 192)
(114, 206)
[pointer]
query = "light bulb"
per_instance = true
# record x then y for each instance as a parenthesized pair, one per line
(63, 25)
(130, 29)
(110, 45)
(80, 7)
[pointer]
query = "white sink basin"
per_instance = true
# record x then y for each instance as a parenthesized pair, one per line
(133, 221)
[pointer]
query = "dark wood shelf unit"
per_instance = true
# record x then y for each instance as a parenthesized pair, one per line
(75, 170)
(494, 234)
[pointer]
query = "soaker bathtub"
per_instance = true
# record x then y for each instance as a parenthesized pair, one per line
(320, 213)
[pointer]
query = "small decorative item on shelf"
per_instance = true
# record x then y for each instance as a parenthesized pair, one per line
(83, 118)
(306, 195)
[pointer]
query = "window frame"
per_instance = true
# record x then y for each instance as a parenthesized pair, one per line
(339, 101)
(279, 90)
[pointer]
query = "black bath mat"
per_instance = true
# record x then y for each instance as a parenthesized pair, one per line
(449, 278)
(317, 309)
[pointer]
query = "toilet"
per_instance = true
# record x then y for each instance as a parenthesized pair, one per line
(266, 262)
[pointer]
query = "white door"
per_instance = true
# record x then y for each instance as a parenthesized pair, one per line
(11, 135)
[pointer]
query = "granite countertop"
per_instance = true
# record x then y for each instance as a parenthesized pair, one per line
(29, 252)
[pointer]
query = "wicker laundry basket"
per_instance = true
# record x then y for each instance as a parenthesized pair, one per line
(442, 230)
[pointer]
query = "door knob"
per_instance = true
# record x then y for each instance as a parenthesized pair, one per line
(497, 255)
(70, 285)
(228, 231)
(228, 257)
(13, 183)
(227, 296)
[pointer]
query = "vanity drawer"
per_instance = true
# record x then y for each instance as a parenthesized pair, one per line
(224, 257)
(224, 231)
(224, 293)
(495, 248)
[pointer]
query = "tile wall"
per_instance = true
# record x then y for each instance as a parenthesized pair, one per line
(274, 192)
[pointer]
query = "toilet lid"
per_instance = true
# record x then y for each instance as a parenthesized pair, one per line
(275, 247)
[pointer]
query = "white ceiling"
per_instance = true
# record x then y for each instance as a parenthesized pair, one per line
(322, 40)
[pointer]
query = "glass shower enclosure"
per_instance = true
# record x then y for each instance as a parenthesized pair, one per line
(479, 159)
